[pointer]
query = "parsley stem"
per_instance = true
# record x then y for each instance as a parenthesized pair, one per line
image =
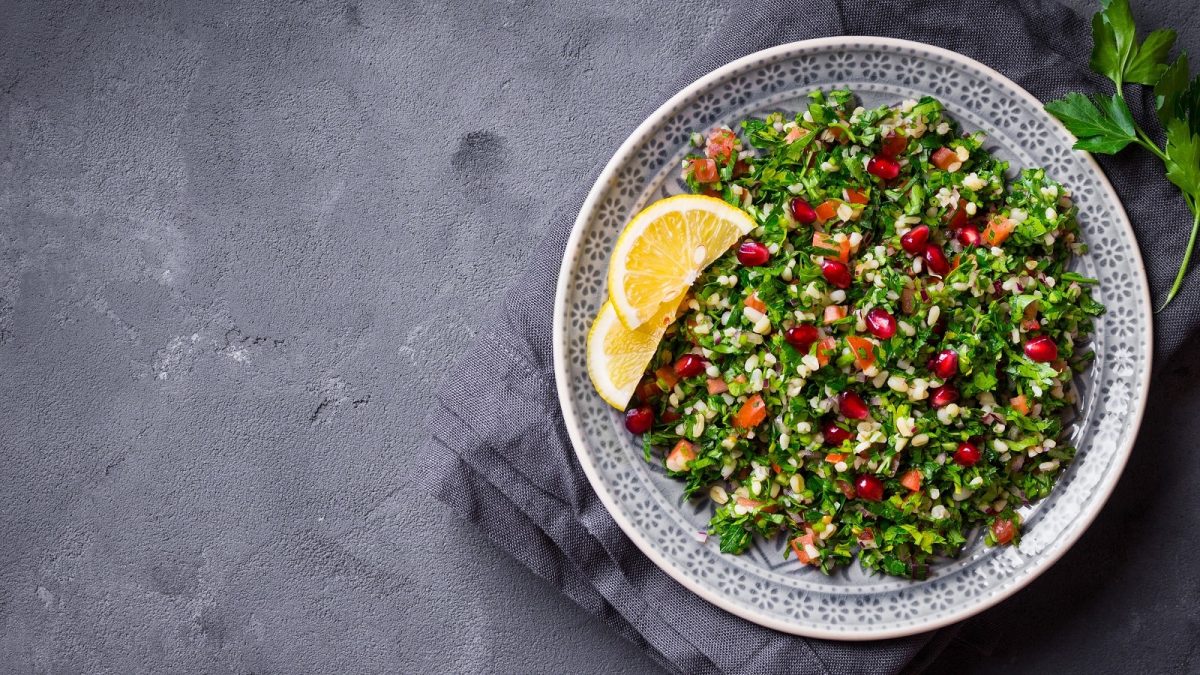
(1144, 141)
(1187, 253)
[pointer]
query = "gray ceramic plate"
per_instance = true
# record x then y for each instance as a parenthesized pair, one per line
(762, 586)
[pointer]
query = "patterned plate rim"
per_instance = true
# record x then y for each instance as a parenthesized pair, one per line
(574, 427)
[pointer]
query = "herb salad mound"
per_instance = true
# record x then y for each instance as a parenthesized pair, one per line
(884, 363)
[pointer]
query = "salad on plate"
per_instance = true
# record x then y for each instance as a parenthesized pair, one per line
(858, 332)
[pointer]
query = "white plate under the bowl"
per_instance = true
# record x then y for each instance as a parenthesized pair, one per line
(761, 586)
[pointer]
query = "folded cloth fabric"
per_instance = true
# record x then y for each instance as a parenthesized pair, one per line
(499, 453)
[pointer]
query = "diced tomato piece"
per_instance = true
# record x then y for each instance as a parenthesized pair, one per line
(1020, 404)
(863, 349)
(720, 144)
(827, 209)
(959, 217)
(836, 132)
(942, 158)
(794, 134)
(894, 143)
(867, 538)
(800, 547)
(911, 480)
(834, 312)
(835, 457)
(717, 386)
(751, 414)
(825, 350)
(754, 302)
(681, 455)
(825, 241)
(705, 171)
(856, 197)
(1003, 530)
(667, 376)
(776, 468)
(998, 230)
(846, 488)
(647, 390)
(755, 505)
(670, 415)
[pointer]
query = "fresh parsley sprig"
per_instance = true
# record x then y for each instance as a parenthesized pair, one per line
(1103, 123)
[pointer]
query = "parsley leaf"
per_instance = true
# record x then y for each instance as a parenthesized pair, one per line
(1183, 157)
(1187, 105)
(1150, 60)
(1114, 37)
(1174, 81)
(1104, 125)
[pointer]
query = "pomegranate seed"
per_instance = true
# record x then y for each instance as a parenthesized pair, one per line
(914, 240)
(834, 435)
(943, 396)
(969, 235)
(753, 254)
(803, 212)
(894, 144)
(884, 167)
(935, 260)
(868, 488)
(639, 420)
(801, 336)
(852, 406)
(967, 454)
(881, 323)
(944, 364)
(689, 365)
(1041, 349)
(836, 272)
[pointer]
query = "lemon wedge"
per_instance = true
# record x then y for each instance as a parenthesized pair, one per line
(617, 356)
(664, 248)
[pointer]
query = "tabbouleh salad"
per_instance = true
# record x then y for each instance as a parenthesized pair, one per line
(884, 363)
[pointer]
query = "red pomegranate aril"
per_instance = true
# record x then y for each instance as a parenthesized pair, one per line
(967, 454)
(1041, 349)
(969, 235)
(852, 406)
(689, 365)
(868, 488)
(883, 167)
(944, 364)
(803, 212)
(881, 323)
(894, 144)
(801, 336)
(834, 435)
(942, 396)
(753, 254)
(935, 260)
(915, 239)
(836, 272)
(639, 420)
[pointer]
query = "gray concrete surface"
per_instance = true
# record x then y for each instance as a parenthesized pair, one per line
(240, 242)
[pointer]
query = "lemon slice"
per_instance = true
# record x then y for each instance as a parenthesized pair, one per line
(665, 247)
(617, 356)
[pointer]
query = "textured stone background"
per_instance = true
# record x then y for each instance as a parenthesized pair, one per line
(239, 244)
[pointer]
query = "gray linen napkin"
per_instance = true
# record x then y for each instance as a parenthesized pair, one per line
(500, 456)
